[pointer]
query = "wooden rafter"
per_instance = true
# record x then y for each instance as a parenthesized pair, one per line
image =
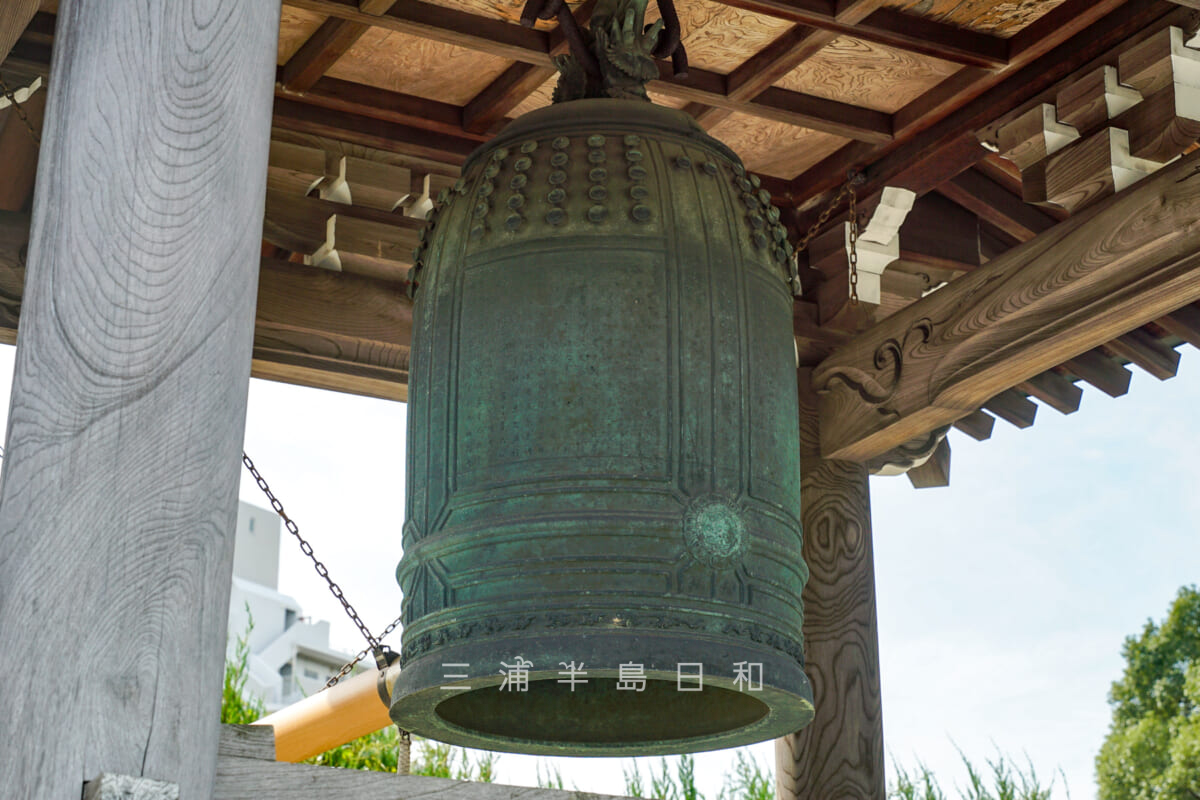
(1050, 300)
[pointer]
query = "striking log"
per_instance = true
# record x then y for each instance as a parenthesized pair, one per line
(129, 393)
(1114, 267)
(840, 754)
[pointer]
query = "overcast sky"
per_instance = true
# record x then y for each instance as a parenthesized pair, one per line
(1003, 600)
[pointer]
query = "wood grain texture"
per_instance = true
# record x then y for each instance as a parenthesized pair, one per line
(720, 37)
(507, 10)
(247, 741)
(17, 14)
(296, 26)
(867, 74)
(405, 63)
(120, 478)
(999, 17)
(1109, 269)
(1054, 390)
(840, 754)
(319, 52)
(775, 148)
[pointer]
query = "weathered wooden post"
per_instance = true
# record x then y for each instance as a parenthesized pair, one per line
(128, 404)
(841, 753)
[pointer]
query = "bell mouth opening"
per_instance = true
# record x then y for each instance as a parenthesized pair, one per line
(598, 713)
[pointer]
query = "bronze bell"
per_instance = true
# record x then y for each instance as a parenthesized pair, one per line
(602, 543)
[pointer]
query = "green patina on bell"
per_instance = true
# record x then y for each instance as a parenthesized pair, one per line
(603, 448)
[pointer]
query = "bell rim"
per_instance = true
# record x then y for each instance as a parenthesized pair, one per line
(416, 696)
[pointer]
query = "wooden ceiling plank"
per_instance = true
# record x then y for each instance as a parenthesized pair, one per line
(319, 52)
(1184, 323)
(1054, 390)
(978, 425)
(990, 201)
(892, 28)
(446, 25)
(1039, 305)
(1149, 353)
(1101, 371)
(1013, 407)
(934, 473)
(922, 35)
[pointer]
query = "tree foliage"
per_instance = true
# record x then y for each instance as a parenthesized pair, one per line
(1153, 747)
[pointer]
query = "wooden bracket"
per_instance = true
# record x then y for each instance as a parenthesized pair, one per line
(1111, 127)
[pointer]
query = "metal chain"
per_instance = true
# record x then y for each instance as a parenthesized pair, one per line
(349, 665)
(852, 179)
(853, 249)
(12, 98)
(373, 643)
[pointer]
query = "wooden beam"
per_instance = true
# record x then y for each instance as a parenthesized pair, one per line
(381, 104)
(896, 29)
(503, 95)
(934, 473)
(356, 129)
(840, 754)
(313, 327)
(1101, 371)
(17, 15)
(1054, 390)
(784, 54)
(1045, 302)
(128, 404)
(1013, 407)
(517, 82)
(320, 51)
(1149, 353)
(978, 425)
(990, 201)
(1184, 323)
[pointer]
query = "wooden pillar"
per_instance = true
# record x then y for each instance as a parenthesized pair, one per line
(120, 475)
(839, 755)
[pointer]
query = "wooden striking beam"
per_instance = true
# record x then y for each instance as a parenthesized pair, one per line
(840, 754)
(1120, 264)
(127, 417)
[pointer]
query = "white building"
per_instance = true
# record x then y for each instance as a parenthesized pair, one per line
(290, 657)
